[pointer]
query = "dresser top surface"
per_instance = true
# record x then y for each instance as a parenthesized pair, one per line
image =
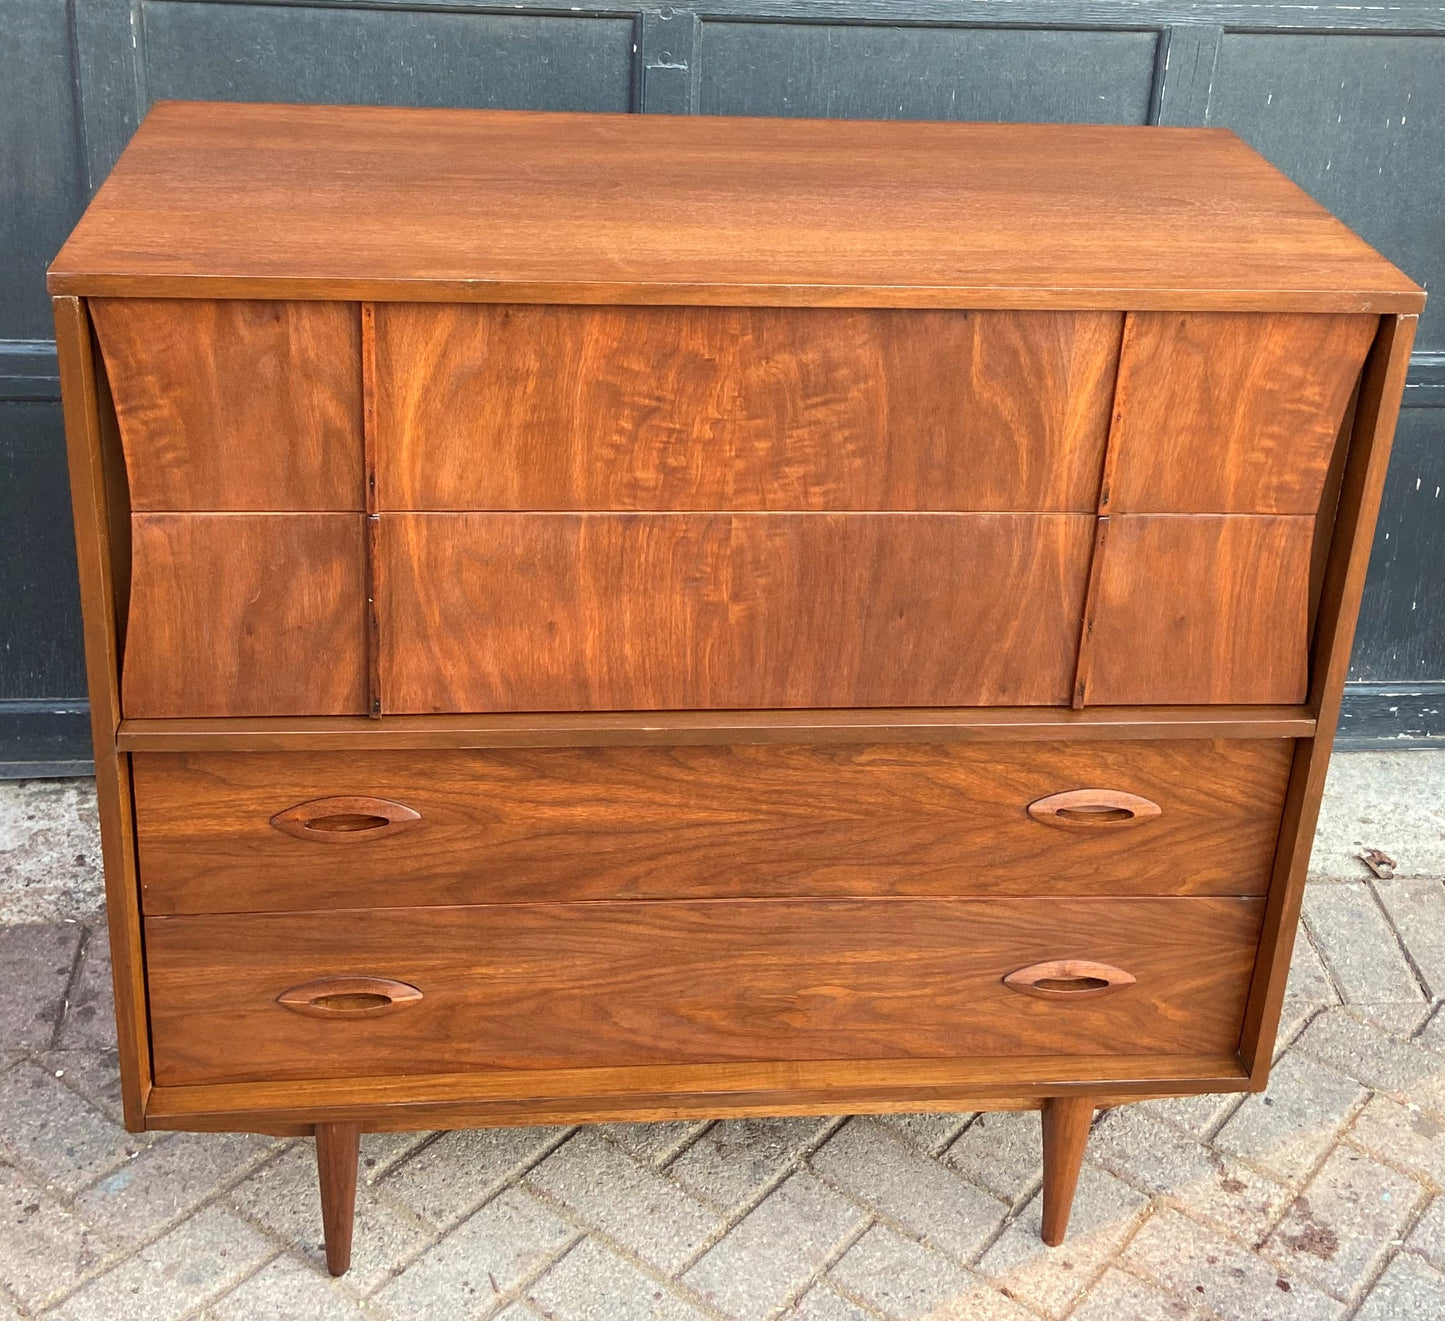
(272, 201)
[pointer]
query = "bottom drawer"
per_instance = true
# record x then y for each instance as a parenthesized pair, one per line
(543, 986)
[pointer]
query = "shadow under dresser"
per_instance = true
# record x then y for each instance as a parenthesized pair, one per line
(628, 617)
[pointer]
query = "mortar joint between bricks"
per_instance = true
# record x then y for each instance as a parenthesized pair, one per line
(57, 1030)
(1400, 941)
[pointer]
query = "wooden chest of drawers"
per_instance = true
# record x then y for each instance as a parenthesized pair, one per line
(620, 617)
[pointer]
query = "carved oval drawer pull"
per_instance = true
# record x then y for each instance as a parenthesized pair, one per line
(1092, 809)
(1068, 979)
(344, 820)
(349, 997)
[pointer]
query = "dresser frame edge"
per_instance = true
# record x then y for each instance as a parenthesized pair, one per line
(1382, 387)
(97, 488)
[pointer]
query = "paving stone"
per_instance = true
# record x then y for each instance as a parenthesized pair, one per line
(200, 1258)
(1140, 1147)
(641, 1210)
(1399, 1020)
(1294, 1017)
(93, 1074)
(1374, 1057)
(930, 1132)
(1205, 1269)
(284, 1196)
(486, 1256)
(1339, 1229)
(1357, 944)
(36, 963)
(1433, 1036)
(166, 1180)
(820, 1303)
(1003, 1152)
(1399, 1135)
(448, 1179)
(733, 1161)
(56, 1136)
(1383, 800)
(772, 1253)
(1197, 1115)
(1428, 1236)
(653, 1144)
(1051, 1279)
(889, 1173)
(383, 1152)
(90, 1014)
(1309, 980)
(288, 1290)
(44, 1248)
(1119, 1296)
(1286, 1129)
(899, 1277)
(1409, 1290)
(49, 852)
(590, 1283)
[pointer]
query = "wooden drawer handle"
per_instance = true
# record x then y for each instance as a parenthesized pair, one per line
(344, 820)
(348, 997)
(1093, 809)
(1068, 979)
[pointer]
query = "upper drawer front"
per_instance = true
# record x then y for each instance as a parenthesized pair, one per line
(236, 405)
(588, 612)
(538, 986)
(675, 408)
(1220, 413)
(231, 832)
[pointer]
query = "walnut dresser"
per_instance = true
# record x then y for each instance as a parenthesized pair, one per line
(618, 617)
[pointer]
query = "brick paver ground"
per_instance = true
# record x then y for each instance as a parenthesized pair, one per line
(1320, 1198)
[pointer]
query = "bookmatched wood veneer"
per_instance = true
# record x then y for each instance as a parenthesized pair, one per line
(712, 408)
(602, 612)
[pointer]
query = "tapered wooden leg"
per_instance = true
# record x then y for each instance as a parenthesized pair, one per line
(337, 1147)
(1066, 1129)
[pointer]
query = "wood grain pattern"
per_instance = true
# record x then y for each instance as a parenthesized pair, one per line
(687, 1091)
(97, 499)
(337, 1149)
(236, 405)
(1201, 608)
(246, 614)
(540, 986)
(1363, 482)
(516, 407)
(1066, 1121)
(996, 724)
(571, 824)
(1231, 413)
(461, 205)
(583, 612)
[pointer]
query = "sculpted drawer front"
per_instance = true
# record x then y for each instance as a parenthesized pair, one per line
(733, 408)
(246, 614)
(1230, 413)
(255, 831)
(1199, 608)
(632, 612)
(538, 986)
(235, 404)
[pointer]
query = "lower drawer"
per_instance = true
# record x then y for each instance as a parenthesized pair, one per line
(754, 821)
(541, 986)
